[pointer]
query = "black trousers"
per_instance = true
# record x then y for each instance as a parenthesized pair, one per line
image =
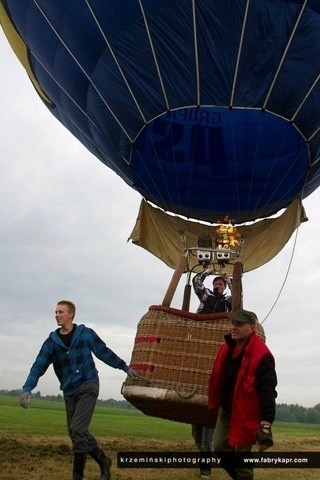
(203, 437)
(79, 409)
(220, 443)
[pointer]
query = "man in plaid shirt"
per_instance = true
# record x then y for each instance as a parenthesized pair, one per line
(69, 349)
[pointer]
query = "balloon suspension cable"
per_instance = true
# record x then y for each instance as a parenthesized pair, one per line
(184, 240)
(285, 278)
(185, 249)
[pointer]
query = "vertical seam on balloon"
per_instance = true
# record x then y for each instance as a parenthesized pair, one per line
(89, 120)
(284, 54)
(192, 164)
(175, 165)
(196, 55)
(161, 170)
(314, 177)
(256, 155)
(297, 180)
(272, 167)
(235, 159)
(82, 69)
(239, 53)
(154, 54)
(142, 183)
(305, 97)
(116, 61)
(314, 133)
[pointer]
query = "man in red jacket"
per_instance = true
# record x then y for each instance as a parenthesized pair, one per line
(242, 389)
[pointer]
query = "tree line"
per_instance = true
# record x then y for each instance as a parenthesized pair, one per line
(285, 412)
(296, 413)
(59, 398)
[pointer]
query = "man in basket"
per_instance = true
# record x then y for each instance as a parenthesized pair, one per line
(211, 301)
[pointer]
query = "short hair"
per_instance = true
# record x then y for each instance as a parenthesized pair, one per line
(220, 278)
(71, 306)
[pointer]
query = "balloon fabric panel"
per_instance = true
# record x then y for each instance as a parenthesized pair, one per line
(206, 108)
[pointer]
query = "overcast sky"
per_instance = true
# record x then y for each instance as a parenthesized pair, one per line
(64, 223)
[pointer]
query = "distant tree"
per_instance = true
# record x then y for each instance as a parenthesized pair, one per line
(313, 415)
(284, 413)
(13, 393)
(297, 413)
(300, 413)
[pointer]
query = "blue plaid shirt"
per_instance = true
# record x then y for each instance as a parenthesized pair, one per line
(74, 366)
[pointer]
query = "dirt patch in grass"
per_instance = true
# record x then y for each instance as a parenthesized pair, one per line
(50, 458)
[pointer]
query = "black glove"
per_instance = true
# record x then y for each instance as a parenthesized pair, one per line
(264, 435)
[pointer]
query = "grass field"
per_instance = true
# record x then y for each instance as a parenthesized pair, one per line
(34, 444)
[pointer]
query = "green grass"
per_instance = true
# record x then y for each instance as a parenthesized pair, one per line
(45, 417)
(34, 443)
(295, 429)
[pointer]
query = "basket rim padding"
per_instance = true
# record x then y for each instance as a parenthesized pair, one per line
(156, 393)
(183, 314)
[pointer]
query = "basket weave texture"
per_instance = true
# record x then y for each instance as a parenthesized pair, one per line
(173, 356)
(177, 352)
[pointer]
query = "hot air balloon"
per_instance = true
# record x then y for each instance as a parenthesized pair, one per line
(209, 109)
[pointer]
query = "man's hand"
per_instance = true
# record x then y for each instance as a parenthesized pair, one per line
(25, 399)
(132, 374)
(264, 436)
(228, 280)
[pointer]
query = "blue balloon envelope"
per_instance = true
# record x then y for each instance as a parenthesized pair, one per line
(207, 108)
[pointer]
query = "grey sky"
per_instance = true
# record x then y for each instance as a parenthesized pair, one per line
(65, 219)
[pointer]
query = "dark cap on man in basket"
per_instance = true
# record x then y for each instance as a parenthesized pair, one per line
(244, 316)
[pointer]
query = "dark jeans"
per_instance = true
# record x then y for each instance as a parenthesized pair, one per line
(203, 437)
(220, 443)
(79, 409)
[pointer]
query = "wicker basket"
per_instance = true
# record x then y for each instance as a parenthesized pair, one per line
(173, 355)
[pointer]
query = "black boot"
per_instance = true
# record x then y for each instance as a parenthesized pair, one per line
(103, 461)
(79, 462)
(231, 471)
